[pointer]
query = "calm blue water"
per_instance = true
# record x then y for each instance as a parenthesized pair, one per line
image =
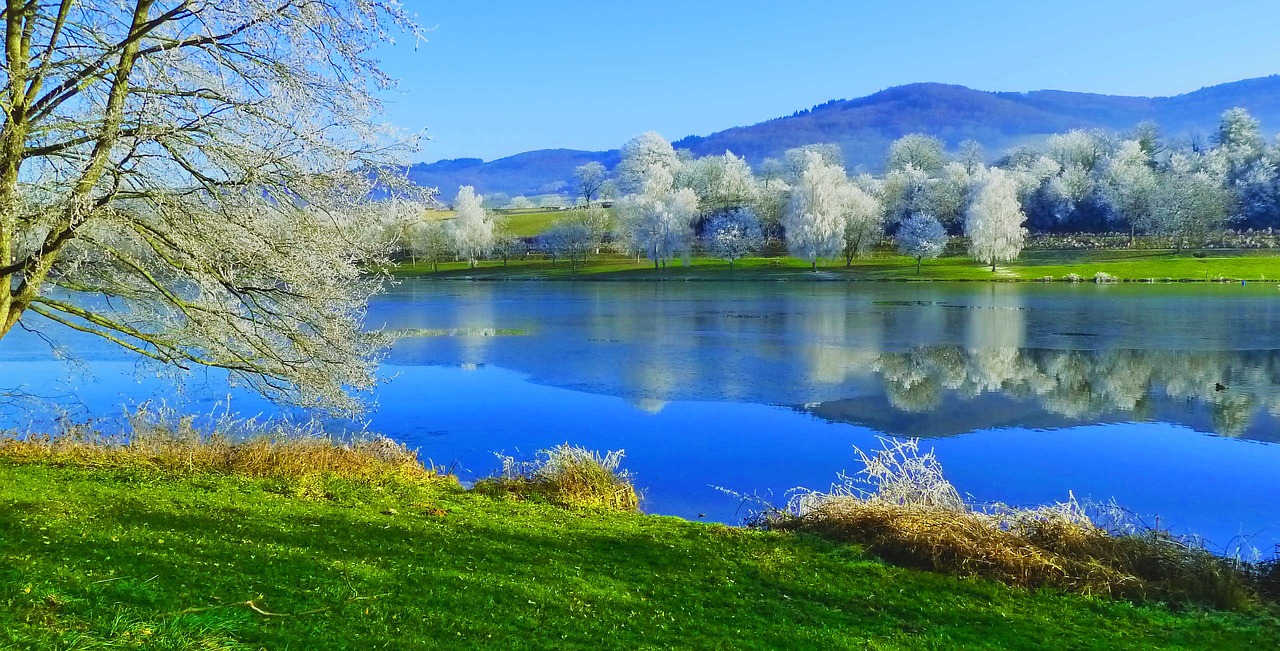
(1025, 391)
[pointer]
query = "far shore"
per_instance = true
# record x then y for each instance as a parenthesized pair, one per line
(1057, 266)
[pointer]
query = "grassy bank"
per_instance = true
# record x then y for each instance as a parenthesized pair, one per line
(143, 554)
(1125, 265)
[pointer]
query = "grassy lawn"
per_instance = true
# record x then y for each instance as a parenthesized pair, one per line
(130, 558)
(1033, 265)
(525, 223)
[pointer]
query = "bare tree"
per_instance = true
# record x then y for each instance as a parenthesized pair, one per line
(589, 179)
(204, 166)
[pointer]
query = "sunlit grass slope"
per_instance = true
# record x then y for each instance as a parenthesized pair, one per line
(129, 556)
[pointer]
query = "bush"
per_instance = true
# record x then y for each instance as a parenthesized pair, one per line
(1072, 278)
(1103, 278)
(911, 515)
(568, 476)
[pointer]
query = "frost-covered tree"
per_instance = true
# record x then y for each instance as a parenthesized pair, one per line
(815, 216)
(182, 179)
(640, 155)
(904, 192)
(923, 152)
(994, 220)
(863, 222)
(770, 204)
(1241, 133)
(721, 182)
(520, 203)
(1079, 148)
(921, 236)
(1190, 207)
(971, 155)
(796, 160)
(430, 241)
(733, 234)
(572, 239)
(658, 221)
(472, 227)
(589, 179)
(1129, 186)
(505, 243)
(946, 196)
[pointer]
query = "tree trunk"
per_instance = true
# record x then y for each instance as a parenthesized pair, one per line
(918, 261)
(813, 266)
(993, 266)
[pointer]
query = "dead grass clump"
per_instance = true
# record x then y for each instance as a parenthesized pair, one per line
(568, 476)
(910, 515)
(161, 440)
(1267, 579)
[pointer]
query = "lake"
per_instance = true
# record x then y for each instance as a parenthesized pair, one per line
(1165, 398)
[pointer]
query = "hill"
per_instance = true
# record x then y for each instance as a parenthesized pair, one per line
(864, 127)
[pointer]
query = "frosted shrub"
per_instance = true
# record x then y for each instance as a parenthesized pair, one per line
(567, 475)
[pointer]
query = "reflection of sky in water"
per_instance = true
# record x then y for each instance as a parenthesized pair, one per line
(1100, 390)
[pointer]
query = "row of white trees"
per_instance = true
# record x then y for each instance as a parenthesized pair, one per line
(807, 199)
(671, 202)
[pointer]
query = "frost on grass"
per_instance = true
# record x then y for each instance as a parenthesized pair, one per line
(569, 476)
(160, 439)
(901, 507)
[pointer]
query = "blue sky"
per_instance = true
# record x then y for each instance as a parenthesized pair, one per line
(497, 77)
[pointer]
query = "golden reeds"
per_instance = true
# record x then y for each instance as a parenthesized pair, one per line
(911, 516)
(159, 440)
(568, 476)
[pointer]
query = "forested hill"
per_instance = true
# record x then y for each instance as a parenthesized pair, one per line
(864, 128)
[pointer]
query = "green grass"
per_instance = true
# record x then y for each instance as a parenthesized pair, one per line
(522, 223)
(534, 222)
(133, 558)
(1033, 265)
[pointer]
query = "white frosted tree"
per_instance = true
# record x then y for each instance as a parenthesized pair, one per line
(994, 220)
(733, 235)
(182, 179)
(863, 223)
(1129, 185)
(639, 156)
(658, 222)
(815, 217)
(472, 227)
(1190, 207)
(520, 203)
(430, 241)
(921, 236)
(572, 239)
(721, 182)
(917, 150)
(589, 179)
(505, 243)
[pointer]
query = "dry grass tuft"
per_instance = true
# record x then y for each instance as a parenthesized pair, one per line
(160, 440)
(568, 476)
(910, 515)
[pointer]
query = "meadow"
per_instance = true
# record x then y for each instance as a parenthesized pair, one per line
(120, 557)
(1034, 265)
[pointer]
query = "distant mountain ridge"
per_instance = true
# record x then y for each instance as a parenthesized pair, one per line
(865, 126)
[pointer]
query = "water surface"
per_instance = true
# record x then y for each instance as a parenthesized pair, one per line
(1163, 397)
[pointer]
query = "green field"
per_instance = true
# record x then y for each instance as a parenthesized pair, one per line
(521, 223)
(1134, 265)
(133, 559)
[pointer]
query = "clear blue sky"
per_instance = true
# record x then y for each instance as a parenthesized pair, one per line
(497, 77)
